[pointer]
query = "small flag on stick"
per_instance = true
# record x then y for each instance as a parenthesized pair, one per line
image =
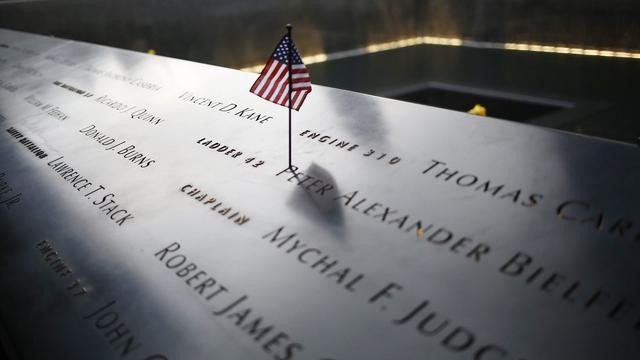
(273, 82)
(284, 80)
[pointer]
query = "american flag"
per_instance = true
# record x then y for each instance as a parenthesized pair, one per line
(273, 82)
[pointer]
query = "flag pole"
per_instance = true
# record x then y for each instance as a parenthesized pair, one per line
(289, 61)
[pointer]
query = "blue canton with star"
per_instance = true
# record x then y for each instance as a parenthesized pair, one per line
(280, 53)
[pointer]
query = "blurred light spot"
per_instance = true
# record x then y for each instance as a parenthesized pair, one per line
(478, 110)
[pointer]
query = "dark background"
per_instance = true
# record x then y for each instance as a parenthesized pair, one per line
(596, 94)
(239, 33)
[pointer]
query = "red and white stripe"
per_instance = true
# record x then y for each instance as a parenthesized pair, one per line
(273, 83)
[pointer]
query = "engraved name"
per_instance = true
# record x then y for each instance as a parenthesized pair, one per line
(134, 81)
(229, 308)
(355, 201)
(8, 195)
(102, 199)
(121, 149)
(133, 112)
(226, 107)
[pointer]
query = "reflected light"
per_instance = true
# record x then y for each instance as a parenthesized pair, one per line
(571, 50)
(432, 40)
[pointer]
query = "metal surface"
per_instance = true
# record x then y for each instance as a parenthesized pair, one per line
(525, 248)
